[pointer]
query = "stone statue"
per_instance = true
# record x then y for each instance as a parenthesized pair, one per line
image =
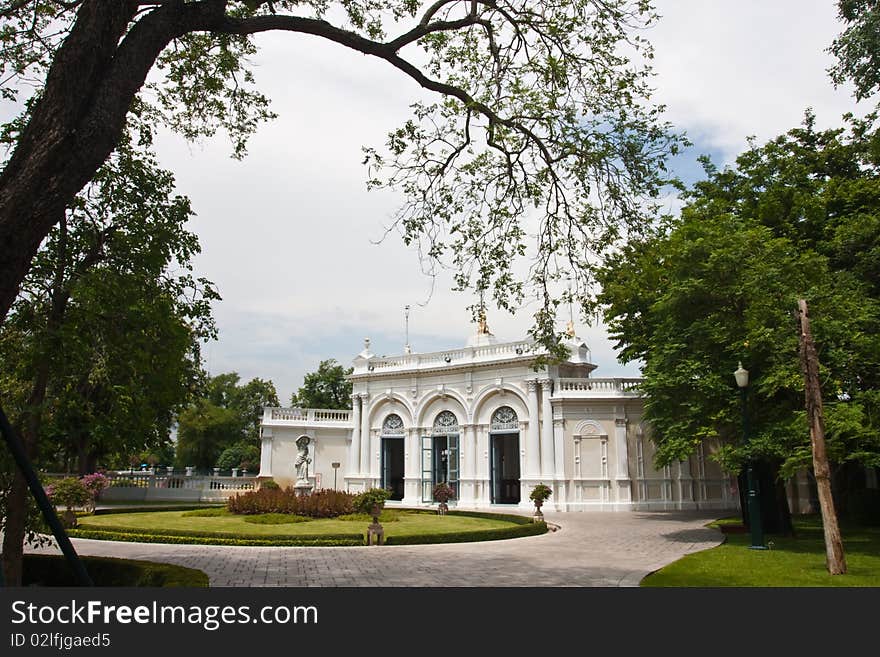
(302, 459)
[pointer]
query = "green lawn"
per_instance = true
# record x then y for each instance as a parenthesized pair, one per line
(791, 561)
(408, 524)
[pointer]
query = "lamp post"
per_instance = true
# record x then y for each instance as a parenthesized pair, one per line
(754, 497)
(335, 465)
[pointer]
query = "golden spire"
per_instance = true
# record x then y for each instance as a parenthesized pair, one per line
(482, 326)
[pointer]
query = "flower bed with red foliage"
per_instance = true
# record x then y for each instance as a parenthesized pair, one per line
(325, 503)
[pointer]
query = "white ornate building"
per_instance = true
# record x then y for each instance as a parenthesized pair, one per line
(483, 419)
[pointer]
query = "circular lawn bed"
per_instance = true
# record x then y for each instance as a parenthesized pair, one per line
(219, 527)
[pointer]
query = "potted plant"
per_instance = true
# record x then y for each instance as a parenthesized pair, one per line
(442, 493)
(372, 501)
(69, 492)
(539, 495)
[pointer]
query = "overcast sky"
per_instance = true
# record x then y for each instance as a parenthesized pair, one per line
(288, 233)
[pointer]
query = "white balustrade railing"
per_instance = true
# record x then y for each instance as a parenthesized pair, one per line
(597, 386)
(311, 415)
(125, 486)
(451, 357)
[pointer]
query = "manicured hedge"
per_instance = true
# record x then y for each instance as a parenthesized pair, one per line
(220, 539)
(509, 517)
(146, 508)
(52, 570)
(522, 529)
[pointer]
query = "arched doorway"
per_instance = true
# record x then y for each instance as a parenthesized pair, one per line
(392, 461)
(440, 455)
(504, 445)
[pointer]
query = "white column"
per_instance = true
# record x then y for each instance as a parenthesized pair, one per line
(559, 449)
(548, 460)
(532, 467)
(366, 446)
(354, 451)
(482, 468)
(622, 470)
(467, 463)
(685, 484)
(412, 467)
(265, 454)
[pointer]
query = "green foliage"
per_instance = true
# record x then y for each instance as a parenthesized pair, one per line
(207, 513)
(51, 570)
(275, 519)
(69, 492)
(541, 493)
(101, 347)
(517, 531)
(146, 508)
(857, 48)
(326, 388)
(372, 497)
(792, 561)
(324, 503)
(387, 515)
(269, 484)
(797, 218)
(35, 526)
(240, 455)
(222, 427)
(203, 432)
(127, 535)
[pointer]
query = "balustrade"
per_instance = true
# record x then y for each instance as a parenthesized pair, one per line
(588, 387)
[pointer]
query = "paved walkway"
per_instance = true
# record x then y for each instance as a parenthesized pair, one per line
(589, 549)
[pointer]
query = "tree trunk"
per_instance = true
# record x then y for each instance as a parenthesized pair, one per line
(13, 536)
(79, 117)
(32, 417)
(835, 558)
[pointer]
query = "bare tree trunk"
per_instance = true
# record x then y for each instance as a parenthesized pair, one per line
(834, 556)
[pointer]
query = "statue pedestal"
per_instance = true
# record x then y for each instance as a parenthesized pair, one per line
(375, 534)
(302, 487)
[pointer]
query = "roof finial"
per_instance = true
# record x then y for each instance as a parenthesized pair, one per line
(482, 326)
(407, 349)
(569, 328)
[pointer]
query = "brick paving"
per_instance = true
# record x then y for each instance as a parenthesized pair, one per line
(589, 549)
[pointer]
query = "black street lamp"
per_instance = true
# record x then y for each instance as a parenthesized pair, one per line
(754, 496)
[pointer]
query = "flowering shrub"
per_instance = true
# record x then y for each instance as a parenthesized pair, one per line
(443, 492)
(326, 503)
(95, 482)
(69, 492)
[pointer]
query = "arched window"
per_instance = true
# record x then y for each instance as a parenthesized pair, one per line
(445, 423)
(392, 426)
(504, 419)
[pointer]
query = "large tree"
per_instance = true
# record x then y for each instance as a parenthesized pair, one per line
(101, 346)
(543, 115)
(798, 217)
(225, 415)
(327, 387)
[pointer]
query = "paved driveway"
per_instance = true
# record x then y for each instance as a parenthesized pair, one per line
(589, 549)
